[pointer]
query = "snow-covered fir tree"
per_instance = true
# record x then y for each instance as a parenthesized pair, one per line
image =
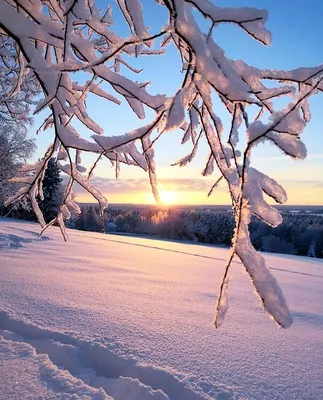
(311, 251)
(91, 220)
(52, 191)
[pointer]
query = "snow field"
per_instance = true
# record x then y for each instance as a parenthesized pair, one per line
(125, 316)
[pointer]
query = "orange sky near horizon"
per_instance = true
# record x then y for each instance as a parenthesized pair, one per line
(302, 180)
(296, 196)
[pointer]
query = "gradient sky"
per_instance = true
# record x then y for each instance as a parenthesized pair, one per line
(297, 32)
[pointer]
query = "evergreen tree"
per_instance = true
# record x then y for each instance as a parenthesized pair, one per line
(52, 189)
(91, 220)
(311, 250)
(319, 244)
(78, 219)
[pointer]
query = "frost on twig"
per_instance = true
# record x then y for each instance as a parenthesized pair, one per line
(56, 39)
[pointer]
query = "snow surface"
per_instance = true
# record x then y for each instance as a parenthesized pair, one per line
(103, 317)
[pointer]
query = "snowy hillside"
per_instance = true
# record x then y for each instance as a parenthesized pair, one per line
(104, 317)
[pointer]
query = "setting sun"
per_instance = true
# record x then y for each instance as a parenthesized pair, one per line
(168, 197)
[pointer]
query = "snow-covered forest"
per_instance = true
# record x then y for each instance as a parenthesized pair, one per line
(299, 233)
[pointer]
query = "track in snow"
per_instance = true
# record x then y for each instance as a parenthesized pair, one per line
(96, 365)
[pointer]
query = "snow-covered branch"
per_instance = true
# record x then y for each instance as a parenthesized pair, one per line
(54, 40)
(18, 86)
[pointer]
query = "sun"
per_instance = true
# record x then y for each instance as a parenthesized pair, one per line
(168, 197)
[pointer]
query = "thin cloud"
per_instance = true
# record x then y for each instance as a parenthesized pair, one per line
(123, 186)
(302, 182)
(283, 157)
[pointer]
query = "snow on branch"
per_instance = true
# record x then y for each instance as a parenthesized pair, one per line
(52, 41)
(17, 86)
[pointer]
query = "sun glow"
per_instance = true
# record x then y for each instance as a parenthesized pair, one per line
(168, 197)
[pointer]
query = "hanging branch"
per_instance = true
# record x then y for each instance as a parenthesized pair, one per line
(55, 39)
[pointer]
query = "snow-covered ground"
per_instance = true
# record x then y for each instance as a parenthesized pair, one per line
(103, 317)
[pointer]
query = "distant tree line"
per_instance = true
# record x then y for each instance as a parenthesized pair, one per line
(299, 234)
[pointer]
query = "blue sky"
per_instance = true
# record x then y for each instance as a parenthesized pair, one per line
(297, 32)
